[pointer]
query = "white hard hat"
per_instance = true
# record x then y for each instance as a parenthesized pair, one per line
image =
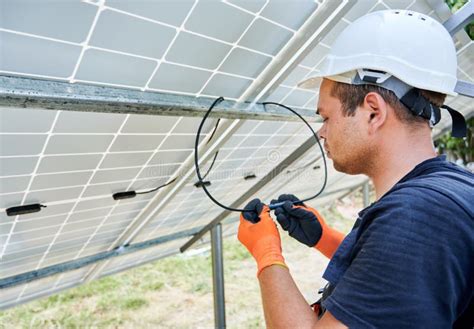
(412, 47)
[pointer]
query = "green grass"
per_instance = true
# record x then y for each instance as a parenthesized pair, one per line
(107, 301)
(133, 303)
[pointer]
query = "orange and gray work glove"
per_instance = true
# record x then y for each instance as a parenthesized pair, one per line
(259, 234)
(306, 225)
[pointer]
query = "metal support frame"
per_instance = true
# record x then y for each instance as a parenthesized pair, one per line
(464, 88)
(55, 95)
(218, 276)
(366, 194)
(279, 69)
(460, 19)
(32, 93)
(86, 261)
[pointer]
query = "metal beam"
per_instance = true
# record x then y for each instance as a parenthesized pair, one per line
(460, 19)
(296, 154)
(86, 261)
(464, 88)
(218, 276)
(55, 95)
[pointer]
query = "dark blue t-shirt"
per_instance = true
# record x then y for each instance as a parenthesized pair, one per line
(409, 262)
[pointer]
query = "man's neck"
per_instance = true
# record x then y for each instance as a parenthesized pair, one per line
(397, 161)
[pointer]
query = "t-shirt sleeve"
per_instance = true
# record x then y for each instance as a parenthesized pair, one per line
(402, 270)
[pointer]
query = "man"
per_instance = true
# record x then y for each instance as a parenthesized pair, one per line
(408, 262)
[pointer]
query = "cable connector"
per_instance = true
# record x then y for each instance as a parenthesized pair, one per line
(124, 195)
(23, 210)
(250, 175)
(132, 194)
(204, 183)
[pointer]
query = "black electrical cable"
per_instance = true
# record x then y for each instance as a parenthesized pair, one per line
(272, 206)
(157, 188)
(302, 167)
(212, 164)
(214, 131)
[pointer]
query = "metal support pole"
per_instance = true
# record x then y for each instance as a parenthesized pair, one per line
(218, 276)
(366, 193)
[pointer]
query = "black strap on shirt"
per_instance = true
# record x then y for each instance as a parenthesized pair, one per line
(420, 106)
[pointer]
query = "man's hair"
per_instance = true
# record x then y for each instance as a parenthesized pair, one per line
(352, 96)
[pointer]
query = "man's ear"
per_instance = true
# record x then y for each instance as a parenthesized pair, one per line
(376, 108)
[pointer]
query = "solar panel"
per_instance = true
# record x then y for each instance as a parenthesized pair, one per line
(74, 161)
(65, 172)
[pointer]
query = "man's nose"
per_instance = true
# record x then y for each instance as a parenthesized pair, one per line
(321, 133)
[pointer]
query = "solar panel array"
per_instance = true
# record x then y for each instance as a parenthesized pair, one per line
(74, 161)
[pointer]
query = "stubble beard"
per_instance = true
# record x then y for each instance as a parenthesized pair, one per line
(358, 164)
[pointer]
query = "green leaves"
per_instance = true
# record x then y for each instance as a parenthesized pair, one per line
(458, 148)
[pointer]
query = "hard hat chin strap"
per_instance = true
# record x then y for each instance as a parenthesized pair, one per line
(459, 128)
(411, 98)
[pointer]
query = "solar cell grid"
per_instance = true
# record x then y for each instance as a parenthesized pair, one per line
(97, 51)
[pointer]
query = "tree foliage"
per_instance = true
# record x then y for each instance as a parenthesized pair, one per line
(459, 148)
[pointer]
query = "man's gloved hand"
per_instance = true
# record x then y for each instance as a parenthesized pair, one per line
(259, 234)
(300, 222)
(306, 225)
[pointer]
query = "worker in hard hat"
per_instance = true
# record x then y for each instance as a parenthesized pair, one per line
(409, 260)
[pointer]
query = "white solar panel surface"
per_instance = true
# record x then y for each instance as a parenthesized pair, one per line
(74, 162)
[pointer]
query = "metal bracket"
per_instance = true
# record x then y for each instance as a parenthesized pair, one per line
(460, 19)
(465, 88)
